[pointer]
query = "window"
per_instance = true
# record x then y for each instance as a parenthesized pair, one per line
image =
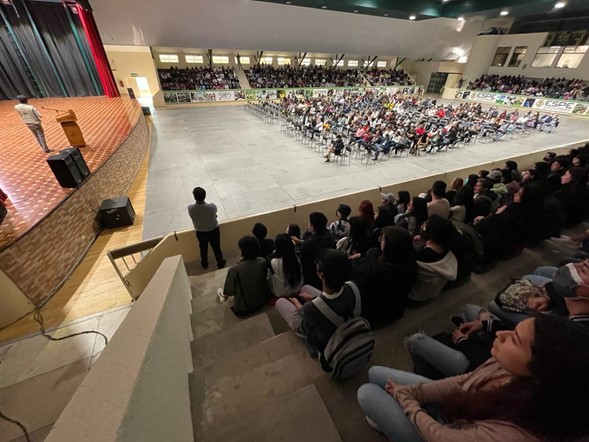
(168, 58)
(266, 60)
(320, 62)
(352, 63)
(545, 56)
(220, 59)
(501, 56)
(571, 57)
(243, 59)
(282, 61)
(518, 55)
(368, 63)
(193, 58)
(381, 64)
(338, 63)
(306, 61)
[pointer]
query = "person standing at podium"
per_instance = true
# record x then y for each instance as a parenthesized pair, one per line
(32, 118)
(204, 219)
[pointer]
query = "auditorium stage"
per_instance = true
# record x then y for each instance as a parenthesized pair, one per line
(25, 175)
(48, 229)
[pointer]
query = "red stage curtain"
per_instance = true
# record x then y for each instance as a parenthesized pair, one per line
(106, 78)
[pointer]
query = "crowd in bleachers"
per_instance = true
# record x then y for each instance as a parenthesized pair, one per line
(266, 76)
(388, 77)
(562, 88)
(527, 371)
(198, 78)
(374, 123)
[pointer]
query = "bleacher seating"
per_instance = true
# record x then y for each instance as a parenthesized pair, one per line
(562, 88)
(198, 78)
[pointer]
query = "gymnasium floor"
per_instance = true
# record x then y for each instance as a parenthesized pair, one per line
(249, 166)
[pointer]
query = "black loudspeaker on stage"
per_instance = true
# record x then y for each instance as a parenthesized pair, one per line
(117, 212)
(69, 167)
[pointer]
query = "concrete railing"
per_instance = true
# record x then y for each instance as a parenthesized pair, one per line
(184, 242)
(138, 388)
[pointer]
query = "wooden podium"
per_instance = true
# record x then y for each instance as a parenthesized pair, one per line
(72, 131)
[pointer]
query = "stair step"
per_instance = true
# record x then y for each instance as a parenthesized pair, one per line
(223, 344)
(232, 389)
(213, 320)
(299, 416)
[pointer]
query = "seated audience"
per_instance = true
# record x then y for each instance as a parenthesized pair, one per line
(435, 261)
(387, 211)
(286, 270)
(366, 212)
(266, 244)
(532, 389)
(385, 276)
(246, 280)
(357, 243)
(439, 205)
(318, 238)
(341, 228)
(414, 217)
(198, 78)
(306, 320)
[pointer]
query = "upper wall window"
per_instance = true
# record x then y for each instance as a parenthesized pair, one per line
(545, 56)
(320, 62)
(220, 59)
(501, 55)
(571, 57)
(169, 58)
(243, 59)
(266, 60)
(338, 63)
(306, 61)
(193, 58)
(282, 61)
(381, 64)
(352, 63)
(517, 57)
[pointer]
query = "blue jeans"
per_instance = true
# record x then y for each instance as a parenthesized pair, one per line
(431, 357)
(383, 409)
(546, 272)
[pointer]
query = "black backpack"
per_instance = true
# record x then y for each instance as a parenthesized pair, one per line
(350, 347)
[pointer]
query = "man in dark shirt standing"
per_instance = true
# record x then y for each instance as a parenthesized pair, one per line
(204, 218)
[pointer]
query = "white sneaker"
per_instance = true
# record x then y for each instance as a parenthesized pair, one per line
(221, 296)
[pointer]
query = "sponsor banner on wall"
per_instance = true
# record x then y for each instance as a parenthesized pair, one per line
(581, 109)
(554, 105)
(487, 97)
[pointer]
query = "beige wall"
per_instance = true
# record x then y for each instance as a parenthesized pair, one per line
(138, 388)
(14, 303)
(421, 71)
(126, 60)
(485, 46)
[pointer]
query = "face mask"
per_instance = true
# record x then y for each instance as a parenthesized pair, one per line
(566, 280)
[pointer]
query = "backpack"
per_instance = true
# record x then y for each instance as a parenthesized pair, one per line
(350, 347)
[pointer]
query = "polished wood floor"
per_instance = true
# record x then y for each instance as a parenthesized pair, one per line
(25, 176)
(94, 286)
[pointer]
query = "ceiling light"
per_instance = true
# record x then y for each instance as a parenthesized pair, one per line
(460, 19)
(323, 7)
(559, 5)
(386, 15)
(504, 12)
(412, 17)
(355, 10)
(289, 3)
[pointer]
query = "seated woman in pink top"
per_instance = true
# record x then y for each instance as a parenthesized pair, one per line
(534, 388)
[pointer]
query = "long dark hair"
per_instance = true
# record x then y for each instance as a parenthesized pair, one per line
(551, 402)
(284, 249)
(359, 235)
(419, 211)
(398, 250)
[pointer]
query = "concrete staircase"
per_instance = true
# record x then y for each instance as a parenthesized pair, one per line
(243, 82)
(253, 380)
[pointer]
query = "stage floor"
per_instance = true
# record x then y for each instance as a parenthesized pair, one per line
(25, 176)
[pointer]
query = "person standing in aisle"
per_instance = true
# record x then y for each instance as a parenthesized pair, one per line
(204, 219)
